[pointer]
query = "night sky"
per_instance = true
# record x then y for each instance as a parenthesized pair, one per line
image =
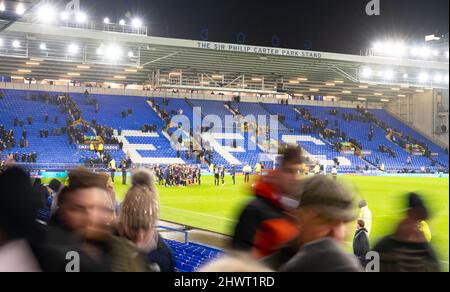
(323, 25)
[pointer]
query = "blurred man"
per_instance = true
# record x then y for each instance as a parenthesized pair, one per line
(265, 223)
(361, 244)
(17, 222)
(365, 215)
(325, 209)
(83, 224)
(407, 250)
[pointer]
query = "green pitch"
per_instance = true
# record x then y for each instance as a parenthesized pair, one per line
(216, 208)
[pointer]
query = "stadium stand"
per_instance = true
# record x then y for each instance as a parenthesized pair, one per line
(155, 147)
(55, 148)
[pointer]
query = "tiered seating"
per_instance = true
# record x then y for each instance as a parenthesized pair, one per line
(212, 108)
(288, 112)
(360, 130)
(189, 257)
(111, 108)
(256, 109)
(54, 149)
(155, 147)
(442, 157)
(175, 105)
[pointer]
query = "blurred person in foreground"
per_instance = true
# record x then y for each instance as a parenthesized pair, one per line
(84, 223)
(325, 208)
(138, 222)
(407, 250)
(18, 208)
(235, 263)
(265, 224)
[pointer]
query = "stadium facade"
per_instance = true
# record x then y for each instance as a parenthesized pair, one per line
(124, 68)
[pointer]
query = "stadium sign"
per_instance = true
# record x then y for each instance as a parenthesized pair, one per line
(82, 147)
(366, 152)
(348, 152)
(258, 50)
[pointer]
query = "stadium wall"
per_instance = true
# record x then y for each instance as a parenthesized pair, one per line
(419, 111)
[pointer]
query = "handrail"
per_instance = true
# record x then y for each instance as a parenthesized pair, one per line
(186, 234)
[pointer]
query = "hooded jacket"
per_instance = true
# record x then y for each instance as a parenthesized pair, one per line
(264, 225)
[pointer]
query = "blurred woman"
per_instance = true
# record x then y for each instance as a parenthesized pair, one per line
(138, 222)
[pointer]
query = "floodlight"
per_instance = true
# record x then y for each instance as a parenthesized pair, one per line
(366, 72)
(136, 23)
(106, 20)
(16, 44)
(100, 51)
(113, 52)
(398, 49)
(20, 9)
(423, 77)
(65, 16)
(425, 52)
(415, 51)
(43, 46)
(388, 74)
(2, 7)
(81, 17)
(122, 22)
(46, 13)
(73, 49)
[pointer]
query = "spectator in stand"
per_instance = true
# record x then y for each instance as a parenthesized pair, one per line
(138, 222)
(409, 160)
(41, 193)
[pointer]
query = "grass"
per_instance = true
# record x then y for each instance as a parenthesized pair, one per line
(216, 208)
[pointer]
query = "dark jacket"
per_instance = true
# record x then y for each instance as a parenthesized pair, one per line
(361, 245)
(115, 254)
(57, 242)
(400, 256)
(264, 226)
(162, 256)
(324, 255)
